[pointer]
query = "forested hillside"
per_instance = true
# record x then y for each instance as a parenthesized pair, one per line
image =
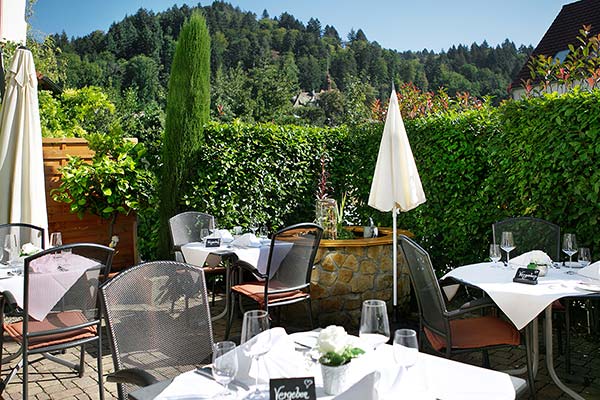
(259, 63)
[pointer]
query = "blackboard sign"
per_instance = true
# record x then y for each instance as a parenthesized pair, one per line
(213, 242)
(292, 388)
(528, 276)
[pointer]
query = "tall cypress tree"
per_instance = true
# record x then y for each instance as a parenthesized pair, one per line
(188, 106)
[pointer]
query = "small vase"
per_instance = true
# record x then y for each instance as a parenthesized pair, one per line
(334, 378)
(327, 217)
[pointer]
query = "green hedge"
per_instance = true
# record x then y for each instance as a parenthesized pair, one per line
(534, 157)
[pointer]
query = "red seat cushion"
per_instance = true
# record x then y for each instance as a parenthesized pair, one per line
(52, 321)
(473, 333)
(256, 291)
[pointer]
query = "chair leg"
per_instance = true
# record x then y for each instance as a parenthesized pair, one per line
(310, 314)
(99, 359)
(559, 335)
(568, 337)
(25, 374)
(485, 357)
(82, 360)
(231, 312)
(528, 353)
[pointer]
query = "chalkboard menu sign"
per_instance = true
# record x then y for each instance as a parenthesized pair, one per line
(528, 276)
(292, 388)
(213, 242)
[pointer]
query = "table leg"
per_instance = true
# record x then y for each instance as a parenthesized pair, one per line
(550, 359)
(227, 292)
(531, 335)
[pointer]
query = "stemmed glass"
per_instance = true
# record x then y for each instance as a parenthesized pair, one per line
(254, 345)
(406, 349)
(253, 228)
(584, 257)
(495, 254)
(507, 244)
(11, 247)
(569, 246)
(225, 366)
(374, 323)
(56, 239)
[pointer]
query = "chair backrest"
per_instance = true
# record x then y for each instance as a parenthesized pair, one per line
(291, 257)
(158, 319)
(530, 234)
(190, 226)
(25, 233)
(427, 289)
(61, 285)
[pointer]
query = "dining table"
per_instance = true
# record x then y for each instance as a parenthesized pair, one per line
(524, 303)
(375, 375)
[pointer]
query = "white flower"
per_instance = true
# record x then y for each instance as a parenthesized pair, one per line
(538, 257)
(332, 339)
(28, 249)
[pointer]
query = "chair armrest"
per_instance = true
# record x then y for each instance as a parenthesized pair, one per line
(133, 376)
(250, 268)
(470, 306)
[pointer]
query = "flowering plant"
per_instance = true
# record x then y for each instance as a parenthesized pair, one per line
(334, 347)
(29, 249)
(538, 257)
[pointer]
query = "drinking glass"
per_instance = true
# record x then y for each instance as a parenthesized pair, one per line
(584, 256)
(225, 366)
(11, 247)
(495, 254)
(253, 228)
(254, 323)
(569, 246)
(56, 239)
(406, 348)
(374, 323)
(507, 244)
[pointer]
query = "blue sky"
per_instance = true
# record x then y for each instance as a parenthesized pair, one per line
(395, 24)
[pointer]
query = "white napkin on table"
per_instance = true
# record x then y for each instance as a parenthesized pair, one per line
(222, 234)
(591, 271)
(190, 385)
(536, 256)
(247, 240)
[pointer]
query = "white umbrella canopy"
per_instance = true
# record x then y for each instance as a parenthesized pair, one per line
(22, 184)
(396, 183)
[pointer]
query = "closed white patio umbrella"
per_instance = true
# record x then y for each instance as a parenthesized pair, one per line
(22, 185)
(396, 183)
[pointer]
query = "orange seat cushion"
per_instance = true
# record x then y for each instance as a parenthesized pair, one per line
(256, 291)
(52, 321)
(473, 333)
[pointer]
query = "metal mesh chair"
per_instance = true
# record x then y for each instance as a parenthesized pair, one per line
(448, 332)
(25, 233)
(60, 306)
(150, 340)
(530, 234)
(289, 267)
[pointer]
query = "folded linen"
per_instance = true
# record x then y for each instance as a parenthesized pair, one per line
(534, 256)
(247, 240)
(191, 385)
(222, 234)
(591, 271)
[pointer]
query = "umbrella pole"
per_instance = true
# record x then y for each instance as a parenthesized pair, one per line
(395, 263)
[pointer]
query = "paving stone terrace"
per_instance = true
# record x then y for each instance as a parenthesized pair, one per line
(51, 381)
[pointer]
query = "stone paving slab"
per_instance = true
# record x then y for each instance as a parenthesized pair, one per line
(51, 381)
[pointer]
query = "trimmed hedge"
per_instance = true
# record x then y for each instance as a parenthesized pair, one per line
(534, 157)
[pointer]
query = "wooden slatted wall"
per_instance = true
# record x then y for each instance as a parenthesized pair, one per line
(90, 229)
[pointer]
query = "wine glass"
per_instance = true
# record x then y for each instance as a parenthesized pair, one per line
(256, 322)
(406, 349)
(56, 239)
(507, 244)
(11, 247)
(495, 254)
(225, 366)
(569, 246)
(374, 323)
(253, 228)
(584, 256)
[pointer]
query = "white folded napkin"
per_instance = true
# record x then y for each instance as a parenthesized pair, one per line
(190, 385)
(535, 256)
(247, 240)
(222, 234)
(281, 361)
(591, 271)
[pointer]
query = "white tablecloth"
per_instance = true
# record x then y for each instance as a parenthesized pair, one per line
(196, 253)
(431, 378)
(520, 302)
(54, 282)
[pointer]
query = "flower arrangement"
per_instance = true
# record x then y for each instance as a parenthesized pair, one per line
(334, 347)
(539, 260)
(28, 249)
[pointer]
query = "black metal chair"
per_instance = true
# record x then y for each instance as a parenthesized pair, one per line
(74, 319)
(193, 226)
(530, 234)
(449, 332)
(151, 340)
(289, 267)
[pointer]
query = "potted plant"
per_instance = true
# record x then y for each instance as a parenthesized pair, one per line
(336, 352)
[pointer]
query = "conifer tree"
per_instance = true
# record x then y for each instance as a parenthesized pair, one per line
(188, 107)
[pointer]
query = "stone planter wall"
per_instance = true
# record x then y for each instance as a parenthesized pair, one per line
(350, 271)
